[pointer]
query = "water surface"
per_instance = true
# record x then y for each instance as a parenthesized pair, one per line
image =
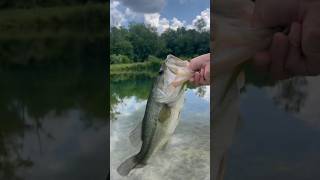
(188, 153)
(278, 135)
(52, 108)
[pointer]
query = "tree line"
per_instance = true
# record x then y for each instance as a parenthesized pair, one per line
(137, 42)
(5, 4)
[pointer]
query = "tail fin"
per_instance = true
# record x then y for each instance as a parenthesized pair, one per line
(127, 166)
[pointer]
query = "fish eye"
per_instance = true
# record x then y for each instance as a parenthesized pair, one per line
(161, 70)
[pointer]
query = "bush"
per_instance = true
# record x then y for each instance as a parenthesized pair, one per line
(119, 59)
(153, 59)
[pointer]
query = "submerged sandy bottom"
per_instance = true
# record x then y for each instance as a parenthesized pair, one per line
(187, 156)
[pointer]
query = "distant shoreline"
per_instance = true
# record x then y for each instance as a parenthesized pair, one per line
(91, 17)
(137, 68)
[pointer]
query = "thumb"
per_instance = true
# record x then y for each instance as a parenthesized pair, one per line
(194, 65)
(198, 62)
(207, 71)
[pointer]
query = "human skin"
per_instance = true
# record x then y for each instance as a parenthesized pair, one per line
(294, 53)
(201, 66)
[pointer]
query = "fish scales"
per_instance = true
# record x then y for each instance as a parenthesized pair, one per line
(162, 112)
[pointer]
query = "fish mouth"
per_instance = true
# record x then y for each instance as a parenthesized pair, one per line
(172, 68)
(174, 65)
(176, 73)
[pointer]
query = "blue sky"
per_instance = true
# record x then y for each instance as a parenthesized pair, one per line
(161, 14)
(184, 9)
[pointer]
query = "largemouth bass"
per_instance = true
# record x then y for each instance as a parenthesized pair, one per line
(162, 111)
(234, 42)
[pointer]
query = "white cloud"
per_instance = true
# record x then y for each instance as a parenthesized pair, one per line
(206, 95)
(176, 23)
(131, 15)
(162, 24)
(205, 15)
(121, 16)
(114, 3)
(152, 19)
(116, 16)
(129, 105)
(144, 6)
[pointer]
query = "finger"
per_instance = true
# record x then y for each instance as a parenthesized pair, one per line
(194, 65)
(311, 38)
(202, 81)
(196, 78)
(279, 50)
(202, 73)
(207, 72)
(262, 62)
(198, 62)
(192, 80)
(295, 63)
(268, 14)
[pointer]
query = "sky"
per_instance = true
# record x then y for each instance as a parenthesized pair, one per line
(161, 14)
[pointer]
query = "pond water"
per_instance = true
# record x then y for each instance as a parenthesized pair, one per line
(188, 153)
(278, 135)
(52, 108)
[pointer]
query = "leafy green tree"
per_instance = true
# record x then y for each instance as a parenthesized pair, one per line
(138, 42)
(119, 59)
(43, 3)
(119, 42)
(200, 25)
(187, 43)
(144, 41)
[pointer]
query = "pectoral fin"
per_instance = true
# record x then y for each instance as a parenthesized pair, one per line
(164, 113)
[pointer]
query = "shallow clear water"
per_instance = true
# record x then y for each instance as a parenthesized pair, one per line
(278, 135)
(188, 153)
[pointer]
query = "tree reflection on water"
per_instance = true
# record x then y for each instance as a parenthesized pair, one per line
(31, 92)
(291, 94)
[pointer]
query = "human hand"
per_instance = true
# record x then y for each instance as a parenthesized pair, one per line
(201, 66)
(296, 53)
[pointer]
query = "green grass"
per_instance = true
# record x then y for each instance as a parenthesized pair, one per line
(121, 72)
(150, 67)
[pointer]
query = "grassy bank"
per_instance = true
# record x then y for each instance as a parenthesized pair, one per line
(149, 68)
(121, 72)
